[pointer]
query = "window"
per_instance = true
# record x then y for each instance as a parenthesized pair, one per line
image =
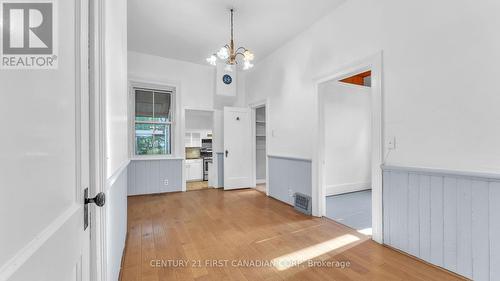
(153, 122)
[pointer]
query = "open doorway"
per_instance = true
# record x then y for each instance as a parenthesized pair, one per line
(260, 149)
(198, 148)
(347, 150)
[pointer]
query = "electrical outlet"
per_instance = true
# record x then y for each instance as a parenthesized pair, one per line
(391, 143)
(165, 182)
(290, 192)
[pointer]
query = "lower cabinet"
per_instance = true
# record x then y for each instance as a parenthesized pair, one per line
(194, 169)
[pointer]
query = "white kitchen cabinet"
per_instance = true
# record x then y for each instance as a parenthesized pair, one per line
(194, 169)
(193, 138)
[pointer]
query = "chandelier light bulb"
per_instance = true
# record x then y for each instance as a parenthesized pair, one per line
(247, 65)
(212, 60)
(248, 56)
(223, 53)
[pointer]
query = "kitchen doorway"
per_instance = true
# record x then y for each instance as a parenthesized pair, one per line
(198, 135)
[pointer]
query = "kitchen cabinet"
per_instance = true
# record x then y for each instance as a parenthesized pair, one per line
(194, 169)
(193, 138)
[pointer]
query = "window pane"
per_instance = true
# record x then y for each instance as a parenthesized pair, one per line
(152, 139)
(162, 139)
(162, 107)
(143, 105)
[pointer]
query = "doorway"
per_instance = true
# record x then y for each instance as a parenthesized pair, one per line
(354, 72)
(198, 136)
(260, 149)
(347, 150)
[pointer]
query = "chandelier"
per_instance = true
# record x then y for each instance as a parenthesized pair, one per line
(229, 54)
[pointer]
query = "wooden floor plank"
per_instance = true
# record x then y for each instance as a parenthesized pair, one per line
(209, 227)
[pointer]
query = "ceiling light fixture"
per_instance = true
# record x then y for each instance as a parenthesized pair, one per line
(229, 53)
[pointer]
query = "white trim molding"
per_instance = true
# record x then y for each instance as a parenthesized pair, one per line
(112, 179)
(337, 189)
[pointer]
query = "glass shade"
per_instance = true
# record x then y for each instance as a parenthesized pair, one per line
(223, 53)
(247, 65)
(212, 60)
(248, 56)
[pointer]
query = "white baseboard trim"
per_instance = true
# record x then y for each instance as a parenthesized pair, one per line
(347, 187)
(260, 181)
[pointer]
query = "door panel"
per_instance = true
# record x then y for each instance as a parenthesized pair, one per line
(44, 162)
(237, 148)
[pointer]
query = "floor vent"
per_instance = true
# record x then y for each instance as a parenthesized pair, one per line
(302, 203)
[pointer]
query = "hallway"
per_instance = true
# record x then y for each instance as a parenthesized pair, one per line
(244, 227)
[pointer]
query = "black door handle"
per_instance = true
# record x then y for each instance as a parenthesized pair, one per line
(227, 152)
(99, 200)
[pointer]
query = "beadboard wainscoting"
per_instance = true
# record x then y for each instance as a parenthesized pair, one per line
(220, 168)
(154, 176)
(450, 219)
(288, 175)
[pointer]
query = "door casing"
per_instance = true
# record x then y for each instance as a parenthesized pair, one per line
(373, 63)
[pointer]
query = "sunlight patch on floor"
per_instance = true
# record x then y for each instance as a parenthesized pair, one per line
(296, 258)
(366, 231)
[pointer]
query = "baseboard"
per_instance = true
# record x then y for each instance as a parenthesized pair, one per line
(346, 188)
(260, 181)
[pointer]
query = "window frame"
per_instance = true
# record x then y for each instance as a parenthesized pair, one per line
(132, 119)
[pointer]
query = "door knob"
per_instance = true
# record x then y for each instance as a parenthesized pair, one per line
(227, 152)
(99, 199)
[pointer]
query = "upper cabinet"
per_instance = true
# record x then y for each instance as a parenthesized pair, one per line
(193, 138)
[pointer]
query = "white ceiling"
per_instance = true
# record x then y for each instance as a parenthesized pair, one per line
(191, 30)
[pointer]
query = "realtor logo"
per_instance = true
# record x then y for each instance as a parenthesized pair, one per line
(28, 35)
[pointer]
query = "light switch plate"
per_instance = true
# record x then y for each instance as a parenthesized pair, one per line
(391, 143)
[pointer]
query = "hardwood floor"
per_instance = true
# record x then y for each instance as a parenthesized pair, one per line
(261, 188)
(196, 185)
(256, 238)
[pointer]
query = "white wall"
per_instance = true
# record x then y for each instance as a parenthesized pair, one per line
(199, 120)
(218, 132)
(347, 121)
(197, 81)
(440, 98)
(116, 85)
(116, 133)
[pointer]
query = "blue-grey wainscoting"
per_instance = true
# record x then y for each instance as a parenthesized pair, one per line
(154, 176)
(450, 219)
(288, 175)
(220, 168)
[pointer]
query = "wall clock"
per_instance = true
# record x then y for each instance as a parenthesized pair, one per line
(227, 79)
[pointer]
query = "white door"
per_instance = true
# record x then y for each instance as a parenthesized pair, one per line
(44, 162)
(237, 148)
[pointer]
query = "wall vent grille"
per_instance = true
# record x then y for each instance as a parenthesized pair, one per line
(302, 203)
